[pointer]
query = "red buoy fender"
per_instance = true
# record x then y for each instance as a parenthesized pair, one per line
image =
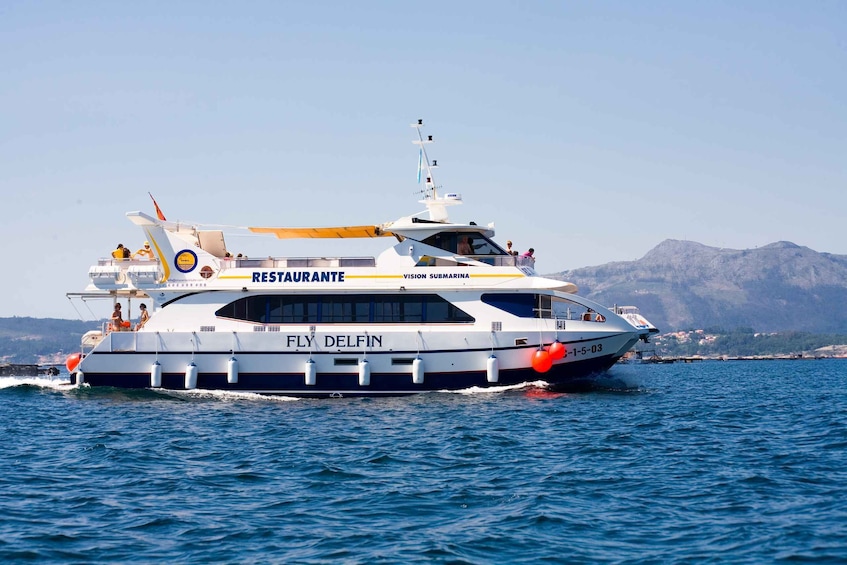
(541, 361)
(72, 361)
(557, 350)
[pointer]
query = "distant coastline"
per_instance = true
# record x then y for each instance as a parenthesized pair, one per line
(48, 341)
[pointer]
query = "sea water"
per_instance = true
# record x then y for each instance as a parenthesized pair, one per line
(739, 461)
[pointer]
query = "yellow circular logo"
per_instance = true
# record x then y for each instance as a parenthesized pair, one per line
(185, 261)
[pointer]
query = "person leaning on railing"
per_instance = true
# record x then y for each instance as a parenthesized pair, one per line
(145, 252)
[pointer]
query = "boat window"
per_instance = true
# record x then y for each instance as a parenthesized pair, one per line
(483, 246)
(517, 304)
(564, 309)
(351, 308)
(345, 309)
(544, 307)
(449, 241)
(398, 309)
(440, 310)
(442, 240)
(522, 305)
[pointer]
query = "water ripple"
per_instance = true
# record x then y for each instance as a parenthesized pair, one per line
(713, 462)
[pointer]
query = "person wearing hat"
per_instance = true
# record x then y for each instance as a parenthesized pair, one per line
(509, 249)
(142, 319)
(145, 252)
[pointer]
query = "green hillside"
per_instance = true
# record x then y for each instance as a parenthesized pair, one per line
(40, 340)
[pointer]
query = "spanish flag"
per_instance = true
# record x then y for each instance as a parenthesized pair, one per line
(158, 210)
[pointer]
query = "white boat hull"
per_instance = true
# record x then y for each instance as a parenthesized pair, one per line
(278, 363)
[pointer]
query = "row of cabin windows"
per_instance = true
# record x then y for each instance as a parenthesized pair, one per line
(348, 308)
(525, 305)
(401, 308)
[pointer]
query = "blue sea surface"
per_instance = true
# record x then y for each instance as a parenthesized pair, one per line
(737, 461)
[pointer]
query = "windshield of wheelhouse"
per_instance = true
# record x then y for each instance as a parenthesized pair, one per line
(465, 243)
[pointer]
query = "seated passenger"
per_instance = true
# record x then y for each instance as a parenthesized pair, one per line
(145, 252)
(586, 317)
(465, 247)
(118, 253)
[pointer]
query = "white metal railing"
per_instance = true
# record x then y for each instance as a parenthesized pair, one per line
(297, 262)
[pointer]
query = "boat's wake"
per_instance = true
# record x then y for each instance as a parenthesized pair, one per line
(221, 395)
(56, 383)
(621, 381)
(496, 389)
(85, 390)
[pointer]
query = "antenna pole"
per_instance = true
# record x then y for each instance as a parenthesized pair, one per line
(422, 143)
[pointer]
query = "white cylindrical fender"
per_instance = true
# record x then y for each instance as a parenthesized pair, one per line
(418, 371)
(232, 370)
(311, 373)
(80, 378)
(364, 373)
(156, 375)
(492, 369)
(191, 376)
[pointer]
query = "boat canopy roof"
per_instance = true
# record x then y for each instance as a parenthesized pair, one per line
(322, 233)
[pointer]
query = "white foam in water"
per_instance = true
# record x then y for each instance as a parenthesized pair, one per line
(496, 389)
(57, 383)
(223, 395)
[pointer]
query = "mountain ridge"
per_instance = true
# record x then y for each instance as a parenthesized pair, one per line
(684, 284)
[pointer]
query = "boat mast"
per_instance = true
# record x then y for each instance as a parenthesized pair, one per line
(435, 204)
(429, 187)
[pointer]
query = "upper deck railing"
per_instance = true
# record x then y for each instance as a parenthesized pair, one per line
(142, 272)
(313, 262)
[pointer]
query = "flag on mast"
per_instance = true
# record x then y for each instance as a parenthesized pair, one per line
(420, 164)
(158, 210)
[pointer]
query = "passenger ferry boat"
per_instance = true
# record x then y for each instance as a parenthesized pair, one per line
(443, 308)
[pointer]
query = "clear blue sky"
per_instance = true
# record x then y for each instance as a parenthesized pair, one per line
(591, 131)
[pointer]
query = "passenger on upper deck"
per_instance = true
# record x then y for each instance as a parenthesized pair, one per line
(509, 249)
(118, 253)
(145, 252)
(528, 257)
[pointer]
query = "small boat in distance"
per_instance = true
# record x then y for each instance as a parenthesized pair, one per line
(444, 307)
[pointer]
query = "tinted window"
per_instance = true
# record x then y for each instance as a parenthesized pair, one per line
(352, 308)
(517, 304)
(449, 241)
